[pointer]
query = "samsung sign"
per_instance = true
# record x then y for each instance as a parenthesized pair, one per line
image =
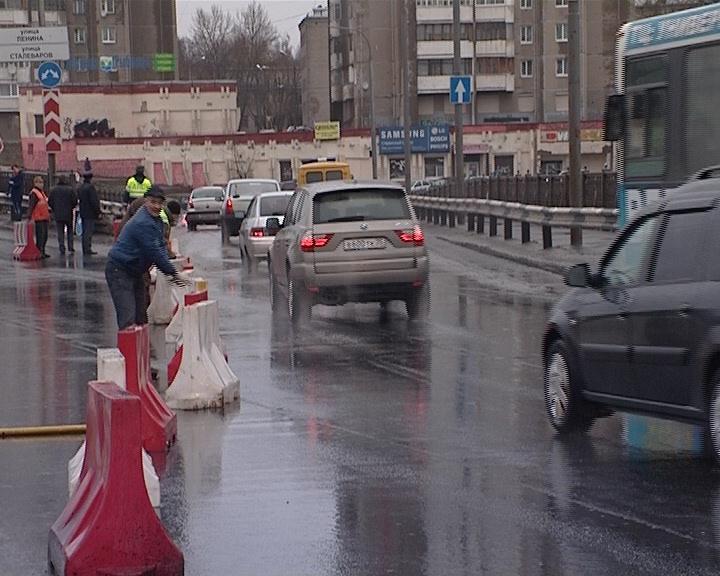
(424, 140)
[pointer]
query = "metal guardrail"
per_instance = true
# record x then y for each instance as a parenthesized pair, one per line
(109, 210)
(447, 211)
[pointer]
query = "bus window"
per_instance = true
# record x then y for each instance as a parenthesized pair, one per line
(333, 175)
(315, 176)
(645, 135)
(702, 120)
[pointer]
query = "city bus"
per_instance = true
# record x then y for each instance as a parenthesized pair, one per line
(665, 116)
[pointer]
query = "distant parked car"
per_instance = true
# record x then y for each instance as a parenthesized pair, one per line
(238, 195)
(255, 240)
(203, 206)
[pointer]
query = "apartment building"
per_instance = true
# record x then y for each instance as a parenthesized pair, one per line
(516, 51)
(315, 67)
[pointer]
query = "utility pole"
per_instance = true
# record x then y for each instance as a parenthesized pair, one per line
(457, 70)
(575, 176)
(407, 117)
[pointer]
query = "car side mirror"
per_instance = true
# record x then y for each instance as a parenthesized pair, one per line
(614, 121)
(578, 276)
(272, 226)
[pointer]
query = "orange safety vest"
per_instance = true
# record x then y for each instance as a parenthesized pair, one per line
(41, 210)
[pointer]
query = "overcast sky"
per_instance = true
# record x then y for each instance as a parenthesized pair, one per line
(284, 14)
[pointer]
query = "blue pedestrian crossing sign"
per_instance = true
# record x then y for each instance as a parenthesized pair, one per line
(49, 74)
(460, 89)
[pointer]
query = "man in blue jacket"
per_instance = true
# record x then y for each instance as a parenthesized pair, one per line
(139, 246)
(16, 188)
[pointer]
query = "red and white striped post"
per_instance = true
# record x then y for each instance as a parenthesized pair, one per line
(53, 138)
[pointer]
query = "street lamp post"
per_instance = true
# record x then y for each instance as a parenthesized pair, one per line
(373, 139)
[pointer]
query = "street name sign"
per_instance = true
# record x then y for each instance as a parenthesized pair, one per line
(460, 89)
(34, 44)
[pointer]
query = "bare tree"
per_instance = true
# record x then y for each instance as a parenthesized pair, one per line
(209, 48)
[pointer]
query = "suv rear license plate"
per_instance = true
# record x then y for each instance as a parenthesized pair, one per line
(364, 244)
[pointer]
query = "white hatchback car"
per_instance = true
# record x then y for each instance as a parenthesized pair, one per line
(254, 238)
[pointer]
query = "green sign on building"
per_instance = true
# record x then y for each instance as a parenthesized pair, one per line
(164, 62)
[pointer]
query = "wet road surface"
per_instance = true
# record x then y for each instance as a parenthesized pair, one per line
(363, 444)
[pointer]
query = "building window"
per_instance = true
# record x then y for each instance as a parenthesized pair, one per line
(79, 35)
(79, 7)
(526, 34)
(435, 167)
(561, 32)
(8, 90)
(561, 3)
(525, 4)
(109, 35)
(39, 124)
(107, 7)
(526, 69)
(561, 67)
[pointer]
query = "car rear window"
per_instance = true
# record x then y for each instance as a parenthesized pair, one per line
(333, 175)
(252, 188)
(360, 205)
(314, 176)
(274, 205)
(207, 193)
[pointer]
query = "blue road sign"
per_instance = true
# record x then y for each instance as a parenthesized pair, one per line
(460, 89)
(49, 74)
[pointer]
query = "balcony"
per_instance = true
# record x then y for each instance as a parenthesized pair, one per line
(442, 49)
(442, 14)
(494, 13)
(483, 83)
(494, 48)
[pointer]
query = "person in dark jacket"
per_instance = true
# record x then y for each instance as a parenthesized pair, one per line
(89, 211)
(140, 245)
(16, 187)
(63, 202)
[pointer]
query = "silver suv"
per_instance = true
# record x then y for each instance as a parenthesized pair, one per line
(254, 238)
(348, 242)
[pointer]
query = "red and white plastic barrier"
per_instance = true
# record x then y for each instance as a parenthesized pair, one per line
(109, 525)
(111, 368)
(204, 379)
(164, 303)
(159, 423)
(25, 248)
(174, 331)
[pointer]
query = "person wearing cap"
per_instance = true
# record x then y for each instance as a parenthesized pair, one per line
(137, 185)
(139, 246)
(89, 211)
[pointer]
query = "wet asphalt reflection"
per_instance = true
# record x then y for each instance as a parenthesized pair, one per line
(363, 443)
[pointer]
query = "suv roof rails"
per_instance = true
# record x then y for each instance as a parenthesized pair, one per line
(707, 173)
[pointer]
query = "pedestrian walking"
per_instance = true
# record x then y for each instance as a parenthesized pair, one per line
(16, 188)
(63, 202)
(137, 185)
(139, 246)
(39, 214)
(89, 212)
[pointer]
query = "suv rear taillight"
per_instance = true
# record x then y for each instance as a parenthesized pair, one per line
(257, 232)
(414, 236)
(309, 242)
(229, 207)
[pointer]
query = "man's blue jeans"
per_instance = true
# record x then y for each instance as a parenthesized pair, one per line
(128, 295)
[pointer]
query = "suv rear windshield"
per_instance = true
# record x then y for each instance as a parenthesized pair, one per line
(274, 205)
(252, 188)
(207, 192)
(359, 205)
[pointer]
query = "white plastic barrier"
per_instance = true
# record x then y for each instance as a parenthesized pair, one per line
(163, 304)
(111, 368)
(204, 379)
(173, 333)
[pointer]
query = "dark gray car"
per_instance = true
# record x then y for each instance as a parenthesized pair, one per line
(643, 333)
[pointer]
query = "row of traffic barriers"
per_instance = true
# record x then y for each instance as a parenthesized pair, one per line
(111, 522)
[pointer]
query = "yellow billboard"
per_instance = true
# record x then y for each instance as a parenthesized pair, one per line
(327, 130)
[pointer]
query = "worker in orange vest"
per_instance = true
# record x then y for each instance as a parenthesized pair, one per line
(39, 213)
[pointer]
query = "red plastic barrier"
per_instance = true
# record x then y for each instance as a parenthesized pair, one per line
(25, 248)
(109, 525)
(159, 423)
(174, 364)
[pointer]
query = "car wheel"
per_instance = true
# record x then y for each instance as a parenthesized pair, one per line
(192, 227)
(713, 425)
(299, 305)
(418, 303)
(565, 406)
